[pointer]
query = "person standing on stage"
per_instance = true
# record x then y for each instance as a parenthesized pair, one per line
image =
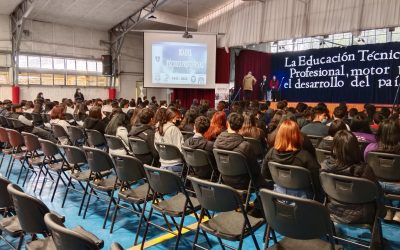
(265, 89)
(248, 81)
(274, 85)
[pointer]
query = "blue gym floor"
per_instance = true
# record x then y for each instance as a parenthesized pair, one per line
(125, 227)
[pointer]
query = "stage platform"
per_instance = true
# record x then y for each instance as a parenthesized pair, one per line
(333, 105)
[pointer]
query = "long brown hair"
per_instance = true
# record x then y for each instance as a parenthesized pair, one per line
(58, 112)
(249, 128)
(345, 149)
(218, 124)
(168, 116)
(289, 137)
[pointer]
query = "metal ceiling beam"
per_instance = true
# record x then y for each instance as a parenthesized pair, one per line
(18, 18)
(118, 32)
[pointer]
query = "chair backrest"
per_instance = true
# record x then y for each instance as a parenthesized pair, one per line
(3, 135)
(256, 146)
(168, 151)
(66, 239)
(3, 121)
(49, 148)
(163, 181)
(37, 119)
(292, 177)
(95, 138)
(230, 163)
(187, 134)
(59, 131)
(16, 124)
(139, 146)
(74, 155)
(98, 160)
(5, 198)
(214, 196)
(115, 142)
(75, 134)
(322, 154)
(31, 142)
(28, 116)
(352, 190)
(30, 211)
(15, 138)
(288, 216)
(197, 158)
(9, 122)
(315, 139)
(128, 168)
(386, 166)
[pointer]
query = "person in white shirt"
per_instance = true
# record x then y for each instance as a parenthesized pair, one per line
(118, 126)
(58, 117)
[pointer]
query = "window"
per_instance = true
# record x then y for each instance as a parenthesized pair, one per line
(82, 80)
(4, 77)
(71, 65)
(34, 78)
(102, 81)
(100, 67)
(91, 66)
(47, 79)
(34, 62)
(92, 80)
(23, 78)
(46, 62)
(23, 61)
(59, 79)
(81, 65)
(71, 80)
(59, 63)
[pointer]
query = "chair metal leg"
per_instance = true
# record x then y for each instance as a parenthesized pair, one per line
(196, 236)
(88, 201)
(66, 191)
(114, 215)
(108, 208)
(141, 218)
(21, 241)
(44, 180)
(147, 228)
(55, 188)
(179, 231)
(83, 198)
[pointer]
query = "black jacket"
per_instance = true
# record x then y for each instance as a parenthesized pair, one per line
(301, 158)
(95, 124)
(146, 133)
(315, 128)
(197, 142)
(79, 97)
(352, 213)
(236, 143)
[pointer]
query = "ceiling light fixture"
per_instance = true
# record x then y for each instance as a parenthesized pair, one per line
(187, 34)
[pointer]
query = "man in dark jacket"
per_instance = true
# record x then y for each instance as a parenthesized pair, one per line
(145, 131)
(197, 141)
(231, 140)
(317, 127)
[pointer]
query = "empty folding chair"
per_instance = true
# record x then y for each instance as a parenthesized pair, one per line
(116, 145)
(386, 167)
(76, 135)
(33, 155)
(315, 139)
(6, 147)
(30, 213)
(292, 177)
(61, 135)
(165, 183)
(53, 162)
(322, 155)
(130, 172)
(354, 190)
(9, 224)
(141, 150)
(303, 223)
(100, 162)
(231, 221)
(19, 151)
(95, 139)
(200, 162)
(75, 238)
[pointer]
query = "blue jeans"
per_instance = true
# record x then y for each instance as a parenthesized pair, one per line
(175, 168)
(392, 188)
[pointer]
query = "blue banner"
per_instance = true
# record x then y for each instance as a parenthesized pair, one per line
(353, 74)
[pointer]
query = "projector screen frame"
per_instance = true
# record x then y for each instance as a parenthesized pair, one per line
(151, 37)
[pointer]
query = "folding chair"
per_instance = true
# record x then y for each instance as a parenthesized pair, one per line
(95, 139)
(386, 167)
(170, 152)
(18, 151)
(354, 190)
(141, 150)
(322, 155)
(33, 155)
(200, 162)
(162, 183)
(100, 162)
(133, 187)
(187, 134)
(232, 221)
(257, 148)
(76, 135)
(315, 139)
(6, 147)
(303, 222)
(61, 135)
(116, 143)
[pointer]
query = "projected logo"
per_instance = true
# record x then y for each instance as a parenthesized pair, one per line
(179, 63)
